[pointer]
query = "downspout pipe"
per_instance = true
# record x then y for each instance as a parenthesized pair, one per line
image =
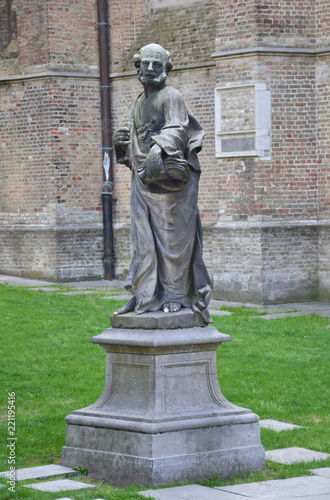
(104, 59)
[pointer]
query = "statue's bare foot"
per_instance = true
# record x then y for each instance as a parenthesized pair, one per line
(128, 307)
(171, 307)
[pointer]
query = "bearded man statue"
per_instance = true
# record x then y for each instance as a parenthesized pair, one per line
(167, 271)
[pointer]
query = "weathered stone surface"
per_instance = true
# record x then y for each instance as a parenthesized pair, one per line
(60, 485)
(215, 312)
(280, 316)
(299, 488)
(162, 417)
(277, 426)
(118, 297)
(41, 472)
(322, 471)
(185, 318)
(193, 492)
(295, 455)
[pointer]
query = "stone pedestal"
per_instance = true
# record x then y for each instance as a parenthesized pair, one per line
(162, 418)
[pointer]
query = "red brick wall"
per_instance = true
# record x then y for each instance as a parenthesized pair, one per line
(286, 185)
(73, 35)
(323, 134)
(27, 173)
(51, 145)
(127, 20)
(285, 22)
(187, 33)
(244, 23)
(32, 29)
(322, 13)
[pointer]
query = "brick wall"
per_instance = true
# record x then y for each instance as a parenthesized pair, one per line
(253, 208)
(187, 33)
(26, 171)
(322, 18)
(257, 22)
(73, 35)
(127, 21)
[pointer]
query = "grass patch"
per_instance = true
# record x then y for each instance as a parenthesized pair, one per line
(279, 369)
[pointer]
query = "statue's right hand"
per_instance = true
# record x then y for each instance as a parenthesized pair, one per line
(121, 137)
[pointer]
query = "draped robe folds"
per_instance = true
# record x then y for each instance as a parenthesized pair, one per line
(166, 235)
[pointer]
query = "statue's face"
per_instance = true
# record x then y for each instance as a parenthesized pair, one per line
(152, 70)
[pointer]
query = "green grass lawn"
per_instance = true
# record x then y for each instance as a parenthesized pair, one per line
(277, 368)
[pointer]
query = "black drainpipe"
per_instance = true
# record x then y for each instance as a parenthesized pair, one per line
(104, 57)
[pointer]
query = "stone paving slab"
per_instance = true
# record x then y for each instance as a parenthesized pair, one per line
(216, 312)
(60, 485)
(281, 315)
(41, 472)
(276, 425)
(44, 289)
(217, 304)
(258, 490)
(18, 281)
(65, 498)
(191, 492)
(294, 455)
(318, 307)
(322, 471)
(297, 487)
(118, 297)
(97, 284)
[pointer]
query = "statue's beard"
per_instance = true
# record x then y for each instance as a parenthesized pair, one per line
(153, 81)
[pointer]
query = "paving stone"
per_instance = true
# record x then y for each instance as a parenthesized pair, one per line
(43, 289)
(294, 455)
(278, 426)
(215, 312)
(217, 304)
(65, 498)
(319, 307)
(17, 281)
(97, 284)
(322, 471)
(191, 492)
(281, 316)
(258, 490)
(297, 487)
(118, 297)
(41, 472)
(81, 292)
(307, 486)
(60, 485)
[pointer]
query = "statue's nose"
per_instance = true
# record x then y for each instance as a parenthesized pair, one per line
(150, 67)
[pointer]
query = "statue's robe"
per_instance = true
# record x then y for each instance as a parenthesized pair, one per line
(166, 234)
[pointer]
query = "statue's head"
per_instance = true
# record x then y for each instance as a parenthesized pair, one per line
(153, 63)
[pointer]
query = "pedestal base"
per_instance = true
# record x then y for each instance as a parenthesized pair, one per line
(162, 418)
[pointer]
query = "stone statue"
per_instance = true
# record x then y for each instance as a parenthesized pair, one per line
(167, 271)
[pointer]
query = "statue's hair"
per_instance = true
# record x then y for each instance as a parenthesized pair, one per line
(168, 63)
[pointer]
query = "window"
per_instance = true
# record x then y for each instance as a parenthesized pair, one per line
(243, 120)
